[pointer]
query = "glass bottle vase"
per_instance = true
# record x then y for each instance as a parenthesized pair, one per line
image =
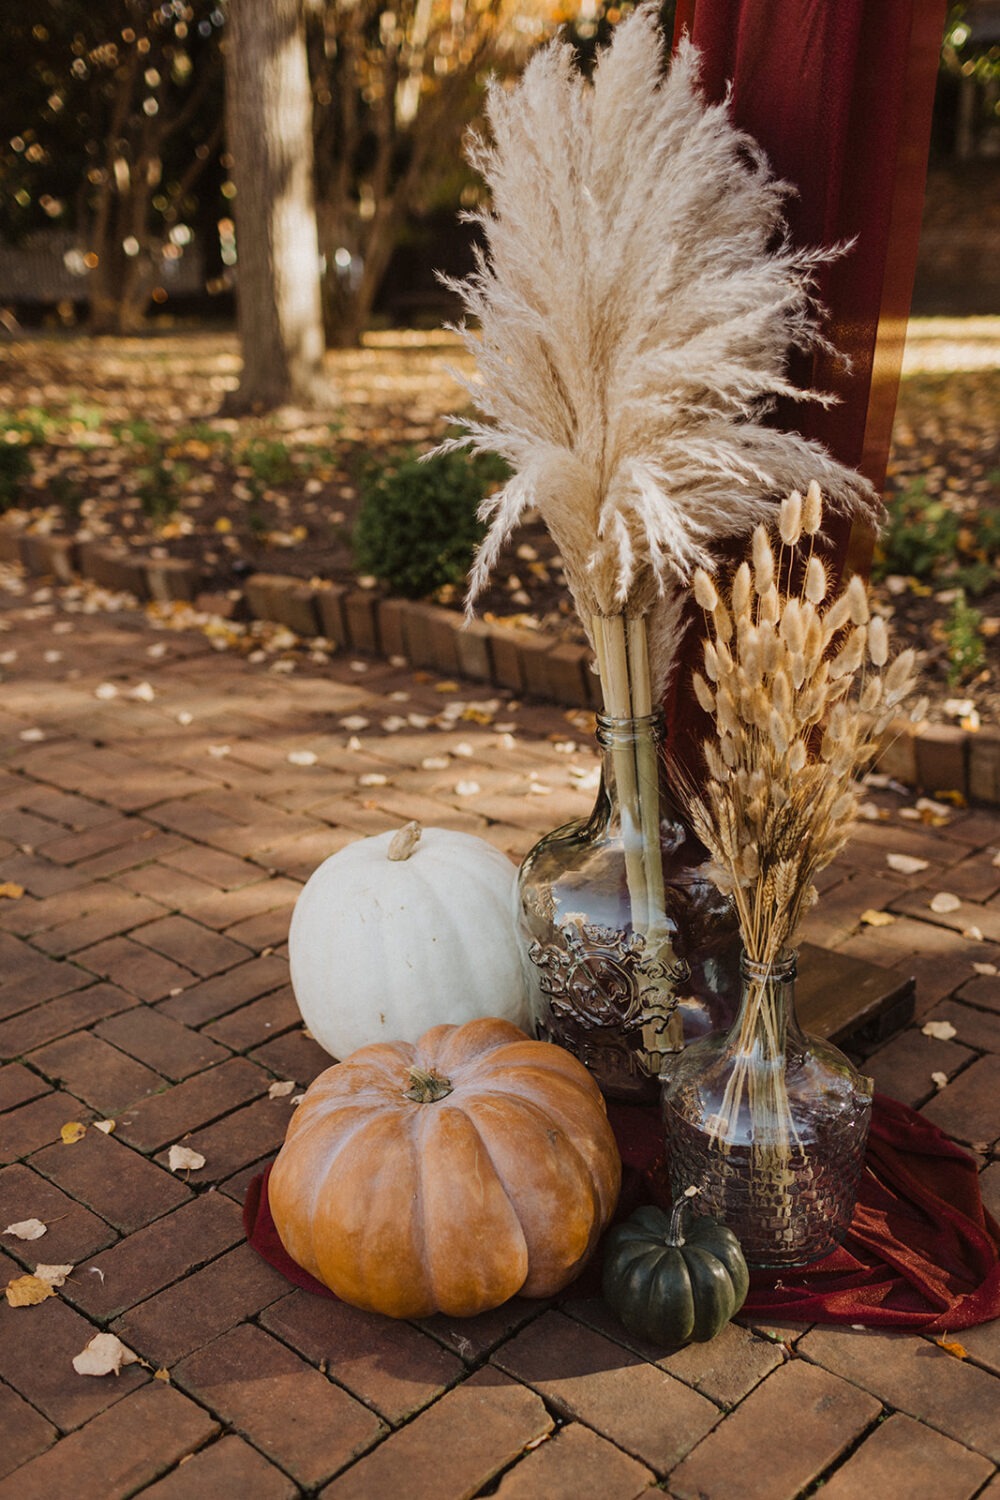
(629, 950)
(770, 1125)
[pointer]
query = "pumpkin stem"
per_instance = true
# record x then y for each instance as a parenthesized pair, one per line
(426, 1088)
(675, 1235)
(405, 840)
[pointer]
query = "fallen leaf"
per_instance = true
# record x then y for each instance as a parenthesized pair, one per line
(302, 758)
(182, 1158)
(873, 918)
(950, 1347)
(446, 687)
(905, 864)
(104, 1355)
(54, 1275)
(941, 1031)
(162, 1374)
(219, 751)
(11, 891)
(106, 691)
(72, 1132)
(105, 1126)
(27, 1229)
(936, 809)
(28, 1291)
(974, 934)
(467, 788)
(986, 968)
(943, 902)
(939, 1080)
(280, 1090)
(435, 763)
(373, 778)
(32, 736)
(354, 723)
(143, 693)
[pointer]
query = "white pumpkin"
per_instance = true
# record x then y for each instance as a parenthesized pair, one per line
(397, 933)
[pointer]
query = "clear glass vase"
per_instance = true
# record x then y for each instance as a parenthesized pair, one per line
(630, 951)
(770, 1125)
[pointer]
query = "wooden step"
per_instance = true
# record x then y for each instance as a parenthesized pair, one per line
(849, 1001)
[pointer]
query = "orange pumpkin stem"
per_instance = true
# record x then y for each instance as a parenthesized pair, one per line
(426, 1088)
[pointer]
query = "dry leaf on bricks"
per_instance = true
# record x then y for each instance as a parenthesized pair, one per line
(27, 1229)
(941, 1031)
(182, 1158)
(11, 891)
(72, 1132)
(104, 1355)
(280, 1090)
(944, 902)
(872, 918)
(105, 1126)
(54, 1275)
(28, 1291)
(905, 864)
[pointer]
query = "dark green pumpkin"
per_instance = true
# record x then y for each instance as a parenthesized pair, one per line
(670, 1282)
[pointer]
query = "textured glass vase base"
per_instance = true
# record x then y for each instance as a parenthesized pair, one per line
(786, 1212)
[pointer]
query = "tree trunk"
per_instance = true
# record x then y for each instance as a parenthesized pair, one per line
(269, 128)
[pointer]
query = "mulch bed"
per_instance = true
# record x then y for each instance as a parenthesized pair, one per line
(127, 445)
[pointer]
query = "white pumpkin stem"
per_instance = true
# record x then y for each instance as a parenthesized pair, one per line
(405, 840)
(426, 1088)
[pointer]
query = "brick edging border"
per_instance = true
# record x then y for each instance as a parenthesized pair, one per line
(933, 758)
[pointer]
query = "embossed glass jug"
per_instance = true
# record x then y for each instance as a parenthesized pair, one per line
(770, 1124)
(623, 981)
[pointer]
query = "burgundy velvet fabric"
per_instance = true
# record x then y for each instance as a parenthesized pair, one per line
(840, 98)
(921, 1252)
(839, 95)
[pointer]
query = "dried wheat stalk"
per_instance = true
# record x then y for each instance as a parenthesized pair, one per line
(801, 690)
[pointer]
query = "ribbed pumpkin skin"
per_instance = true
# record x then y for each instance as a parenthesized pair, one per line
(673, 1294)
(456, 1205)
(381, 950)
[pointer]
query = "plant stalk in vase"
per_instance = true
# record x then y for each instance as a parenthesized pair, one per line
(769, 1123)
(631, 313)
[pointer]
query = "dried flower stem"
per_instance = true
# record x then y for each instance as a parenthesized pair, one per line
(801, 696)
(623, 662)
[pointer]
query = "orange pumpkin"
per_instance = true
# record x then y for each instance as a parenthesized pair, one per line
(449, 1174)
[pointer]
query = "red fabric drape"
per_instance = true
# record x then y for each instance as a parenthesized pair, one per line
(921, 1252)
(839, 94)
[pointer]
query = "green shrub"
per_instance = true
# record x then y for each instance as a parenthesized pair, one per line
(928, 540)
(15, 467)
(160, 485)
(417, 526)
(268, 461)
(920, 536)
(963, 634)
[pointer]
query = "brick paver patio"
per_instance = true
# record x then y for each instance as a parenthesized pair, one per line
(161, 802)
